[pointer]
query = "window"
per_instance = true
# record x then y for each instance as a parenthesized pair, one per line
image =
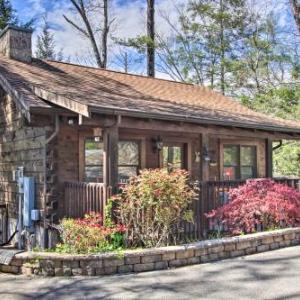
(172, 157)
(129, 160)
(239, 162)
(93, 159)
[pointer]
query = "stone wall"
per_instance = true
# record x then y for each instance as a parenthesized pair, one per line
(16, 43)
(52, 264)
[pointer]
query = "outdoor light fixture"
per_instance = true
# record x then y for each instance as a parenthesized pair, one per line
(97, 139)
(158, 144)
(72, 120)
(206, 156)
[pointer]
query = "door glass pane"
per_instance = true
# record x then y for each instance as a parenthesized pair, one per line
(248, 155)
(125, 173)
(94, 174)
(129, 160)
(229, 173)
(93, 152)
(247, 172)
(128, 153)
(172, 157)
(93, 160)
(231, 156)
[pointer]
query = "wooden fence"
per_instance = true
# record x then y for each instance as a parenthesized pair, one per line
(82, 198)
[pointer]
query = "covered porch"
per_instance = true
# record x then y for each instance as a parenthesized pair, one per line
(100, 155)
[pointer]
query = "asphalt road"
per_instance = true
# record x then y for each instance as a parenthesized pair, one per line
(271, 275)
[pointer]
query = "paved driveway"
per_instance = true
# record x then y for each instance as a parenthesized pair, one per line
(271, 275)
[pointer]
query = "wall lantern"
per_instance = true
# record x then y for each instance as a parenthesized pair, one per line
(209, 157)
(72, 120)
(206, 156)
(157, 144)
(98, 139)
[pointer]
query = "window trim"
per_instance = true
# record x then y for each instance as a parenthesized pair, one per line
(84, 157)
(139, 142)
(184, 155)
(239, 146)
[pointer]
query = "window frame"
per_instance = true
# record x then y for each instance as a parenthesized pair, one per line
(239, 160)
(139, 143)
(184, 153)
(85, 165)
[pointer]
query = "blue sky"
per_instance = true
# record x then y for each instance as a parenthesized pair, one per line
(130, 19)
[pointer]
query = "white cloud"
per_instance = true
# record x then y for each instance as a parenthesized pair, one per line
(130, 21)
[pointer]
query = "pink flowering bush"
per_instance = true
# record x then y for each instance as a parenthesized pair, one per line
(88, 235)
(259, 203)
(153, 205)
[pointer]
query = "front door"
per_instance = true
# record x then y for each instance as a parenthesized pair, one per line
(173, 156)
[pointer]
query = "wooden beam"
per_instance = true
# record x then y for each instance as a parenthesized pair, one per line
(16, 96)
(269, 158)
(218, 131)
(204, 164)
(110, 165)
(62, 101)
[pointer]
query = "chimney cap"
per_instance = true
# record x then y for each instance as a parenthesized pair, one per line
(17, 28)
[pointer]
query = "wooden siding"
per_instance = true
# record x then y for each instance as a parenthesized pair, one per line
(70, 150)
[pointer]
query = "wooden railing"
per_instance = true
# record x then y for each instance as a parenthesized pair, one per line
(211, 195)
(82, 198)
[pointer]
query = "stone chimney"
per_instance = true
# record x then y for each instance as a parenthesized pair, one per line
(15, 43)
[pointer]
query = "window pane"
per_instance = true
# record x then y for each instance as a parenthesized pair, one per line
(94, 174)
(231, 156)
(172, 157)
(128, 153)
(125, 173)
(229, 173)
(93, 152)
(247, 172)
(248, 154)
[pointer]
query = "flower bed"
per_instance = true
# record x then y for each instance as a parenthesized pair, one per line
(55, 264)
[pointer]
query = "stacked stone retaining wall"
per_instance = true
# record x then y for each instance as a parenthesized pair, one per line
(53, 264)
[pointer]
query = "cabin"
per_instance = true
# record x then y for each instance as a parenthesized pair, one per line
(82, 132)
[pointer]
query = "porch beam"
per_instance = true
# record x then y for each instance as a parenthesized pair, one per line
(110, 165)
(269, 158)
(217, 131)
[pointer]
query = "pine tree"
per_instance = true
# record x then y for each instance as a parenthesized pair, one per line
(7, 14)
(45, 48)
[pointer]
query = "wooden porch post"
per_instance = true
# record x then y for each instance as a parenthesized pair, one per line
(204, 164)
(110, 164)
(269, 158)
(203, 195)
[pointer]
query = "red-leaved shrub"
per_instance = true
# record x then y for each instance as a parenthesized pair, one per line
(258, 204)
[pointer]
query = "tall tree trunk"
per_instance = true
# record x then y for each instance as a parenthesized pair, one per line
(105, 34)
(100, 52)
(222, 48)
(151, 36)
(296, 13)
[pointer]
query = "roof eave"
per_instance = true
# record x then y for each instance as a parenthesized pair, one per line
(189, 119)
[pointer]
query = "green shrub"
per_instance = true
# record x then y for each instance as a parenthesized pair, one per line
(87, 235)
(152, 207)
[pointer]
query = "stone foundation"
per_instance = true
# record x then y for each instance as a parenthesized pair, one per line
(53, 264)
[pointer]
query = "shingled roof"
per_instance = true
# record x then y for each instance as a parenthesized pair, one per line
(86, 90)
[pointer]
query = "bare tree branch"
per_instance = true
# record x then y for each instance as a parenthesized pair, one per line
(99, 51)
(296, 13)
